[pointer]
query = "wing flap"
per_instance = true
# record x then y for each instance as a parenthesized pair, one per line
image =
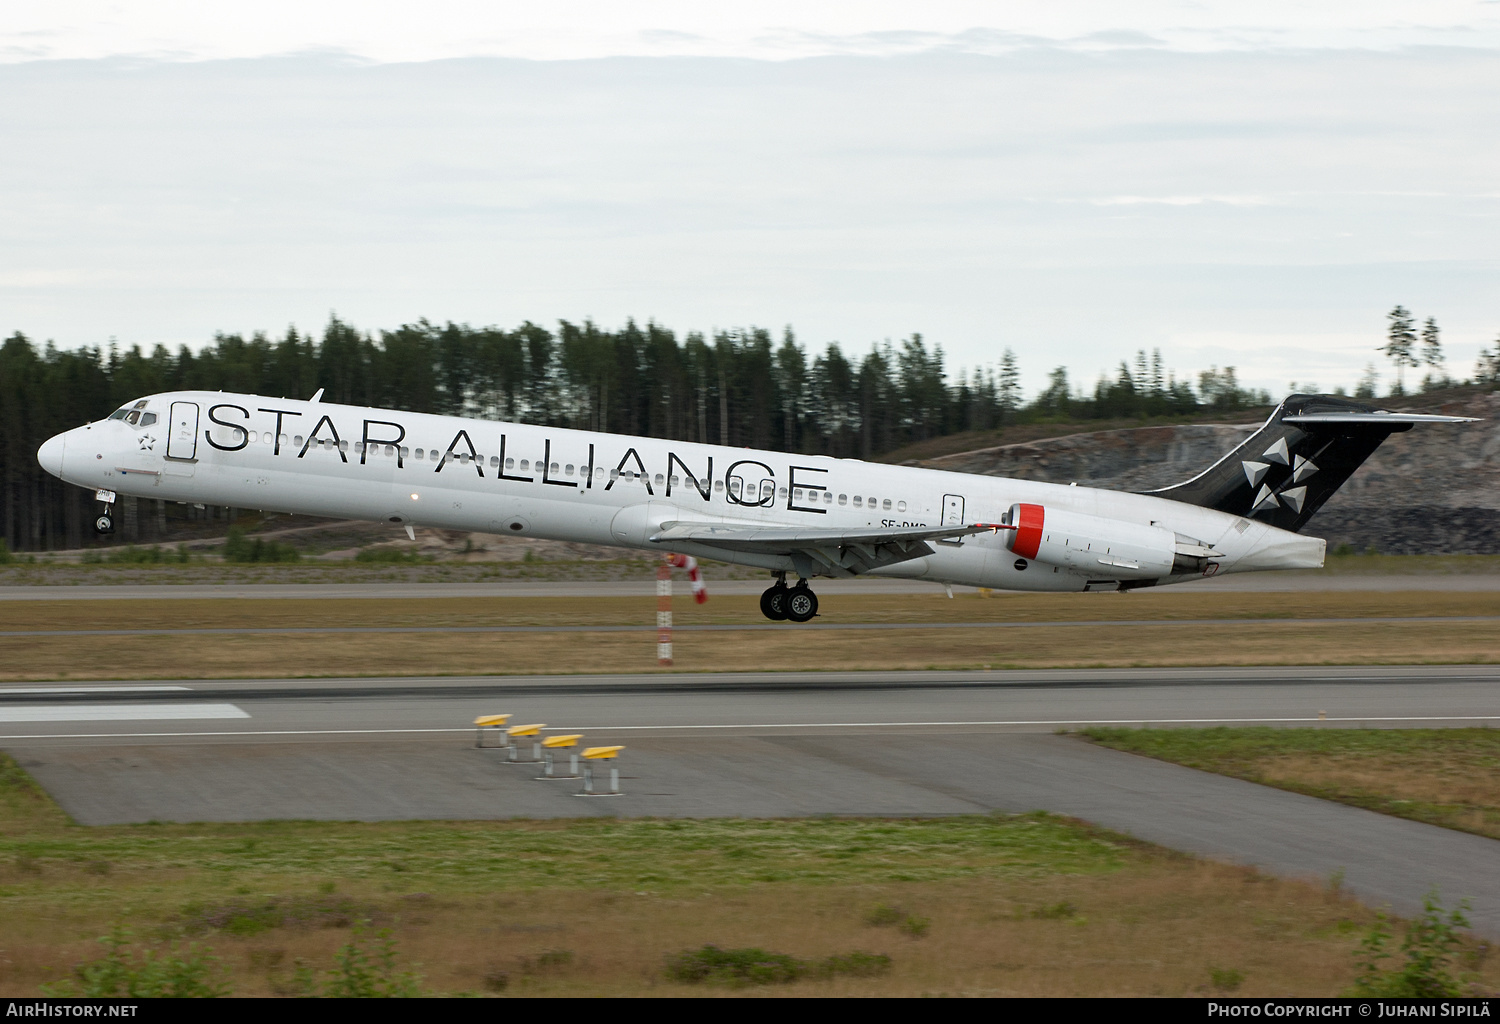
(783, 538)
(833, 552)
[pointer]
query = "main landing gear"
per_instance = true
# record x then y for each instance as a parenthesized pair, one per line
(795, 604)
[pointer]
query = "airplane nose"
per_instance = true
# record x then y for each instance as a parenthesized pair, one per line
(50, 455)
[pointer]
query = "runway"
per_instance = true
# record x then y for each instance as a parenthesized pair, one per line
(669, 703)
(766, 745)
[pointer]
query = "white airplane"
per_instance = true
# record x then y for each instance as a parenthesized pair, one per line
(807, 515)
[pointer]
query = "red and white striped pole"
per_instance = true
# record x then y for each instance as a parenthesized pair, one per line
(664, 600)
(664, 614)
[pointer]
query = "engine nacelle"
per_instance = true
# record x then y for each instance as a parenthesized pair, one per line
(1106, 548)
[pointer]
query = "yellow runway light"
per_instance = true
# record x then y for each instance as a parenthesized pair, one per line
(534, 731)
(552, 743)
(490, 725)
(591, 755)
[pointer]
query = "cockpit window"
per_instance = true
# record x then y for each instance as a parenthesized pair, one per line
(134, 415)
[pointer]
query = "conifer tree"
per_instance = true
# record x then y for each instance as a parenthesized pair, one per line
(1401, 339)
(1010, 386)
(1432, 345)
(1487, 367)
(791, 380)
(1432, 356)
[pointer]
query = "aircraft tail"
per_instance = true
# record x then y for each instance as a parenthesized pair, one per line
(1295, 462)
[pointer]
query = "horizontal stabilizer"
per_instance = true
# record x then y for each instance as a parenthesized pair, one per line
(1376, 418)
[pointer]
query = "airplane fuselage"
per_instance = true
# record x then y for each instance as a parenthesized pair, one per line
(519, 480)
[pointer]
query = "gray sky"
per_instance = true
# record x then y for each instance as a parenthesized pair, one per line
(1062, 183)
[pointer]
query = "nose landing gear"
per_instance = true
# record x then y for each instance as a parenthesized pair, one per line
(795, 604)
(105, 521)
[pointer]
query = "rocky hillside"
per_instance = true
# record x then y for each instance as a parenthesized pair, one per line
(1432, 490)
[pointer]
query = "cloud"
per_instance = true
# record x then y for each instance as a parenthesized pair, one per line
(1073, 206)
(1178, 200)
(391, 30)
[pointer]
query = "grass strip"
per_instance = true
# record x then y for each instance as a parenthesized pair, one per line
(1447, 777)
(69, 658)
(1165, 606)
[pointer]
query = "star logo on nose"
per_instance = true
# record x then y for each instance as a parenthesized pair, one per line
(147, 441)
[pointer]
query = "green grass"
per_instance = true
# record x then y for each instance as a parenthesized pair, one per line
(661, 855)
(1355, 563)
(1223, 746)
(753, 966)
(396, 556)
(1448, 777)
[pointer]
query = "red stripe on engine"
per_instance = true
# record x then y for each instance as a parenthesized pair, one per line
(1028, 530)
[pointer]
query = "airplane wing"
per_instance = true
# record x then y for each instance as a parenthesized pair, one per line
(832, 552)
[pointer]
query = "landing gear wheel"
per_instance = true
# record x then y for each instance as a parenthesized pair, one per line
(773, 602)
(801, 603)
(104, 524)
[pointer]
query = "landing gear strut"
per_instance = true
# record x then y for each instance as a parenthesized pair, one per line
(780, 602)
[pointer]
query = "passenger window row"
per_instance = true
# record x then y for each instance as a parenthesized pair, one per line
(884, 504)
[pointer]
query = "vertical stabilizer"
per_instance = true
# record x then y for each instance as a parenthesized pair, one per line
(1294, 463)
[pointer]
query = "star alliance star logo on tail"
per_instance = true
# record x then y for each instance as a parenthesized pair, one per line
(1301, 468)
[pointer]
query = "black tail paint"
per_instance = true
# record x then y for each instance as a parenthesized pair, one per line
(1286, 471)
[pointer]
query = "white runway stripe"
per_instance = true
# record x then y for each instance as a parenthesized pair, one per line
(117, 712)
(4, 690)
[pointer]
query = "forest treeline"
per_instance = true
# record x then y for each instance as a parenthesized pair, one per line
(739, 387)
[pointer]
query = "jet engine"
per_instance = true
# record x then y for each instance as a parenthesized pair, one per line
(1110, 548)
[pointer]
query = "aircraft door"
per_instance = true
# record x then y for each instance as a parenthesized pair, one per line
(953, 510)
(182, 436)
